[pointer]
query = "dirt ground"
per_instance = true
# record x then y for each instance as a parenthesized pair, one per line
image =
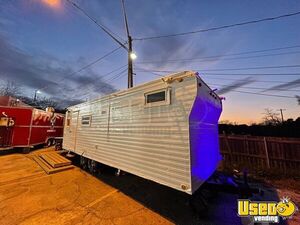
(29, 196)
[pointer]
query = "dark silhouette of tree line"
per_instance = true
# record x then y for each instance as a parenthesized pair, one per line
(272, 125)
(12, 89)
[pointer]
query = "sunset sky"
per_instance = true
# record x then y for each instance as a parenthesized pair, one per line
(43, 42)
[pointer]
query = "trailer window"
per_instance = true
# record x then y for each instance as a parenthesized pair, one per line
(156, 97)
(86, 120)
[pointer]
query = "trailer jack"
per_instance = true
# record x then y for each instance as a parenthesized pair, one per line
(118, 172)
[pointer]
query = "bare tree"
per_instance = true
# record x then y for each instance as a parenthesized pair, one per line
(46, 102)
(227, 122)
(10, 88)
(41, 103)
(271, 117)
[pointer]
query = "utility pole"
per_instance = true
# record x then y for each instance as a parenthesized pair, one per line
(130, 66)
(281, 112)
(131, 55)
(34, 97)
(35, 93)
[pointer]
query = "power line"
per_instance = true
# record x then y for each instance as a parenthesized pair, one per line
(255, 68)
(247, 92)
(118, 75)
(212, 78)
(220, 27)
(206, 59)
(250, 74)
(85, 67)
(146, 70)
(256, 88)
(106, 81)
(243, 92)
(107, 74)
(225, 69)
(102, 76)
(110, 33)
(270, 95)
(122, 73)
(259, 81)
(157, 73)
(233, 54)
(102, 27)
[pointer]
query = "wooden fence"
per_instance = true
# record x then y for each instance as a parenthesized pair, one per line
(281, 155)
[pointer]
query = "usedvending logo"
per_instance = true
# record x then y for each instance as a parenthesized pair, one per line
(263, 211)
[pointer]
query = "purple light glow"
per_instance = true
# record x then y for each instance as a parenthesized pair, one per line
(204, 138)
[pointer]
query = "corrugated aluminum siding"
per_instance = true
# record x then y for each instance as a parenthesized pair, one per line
(204, 137)
(151, 142)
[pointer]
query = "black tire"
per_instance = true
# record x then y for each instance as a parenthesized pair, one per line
(83, 162)
(49, 143)
(58, 145)
(92, 166)
(26, 150)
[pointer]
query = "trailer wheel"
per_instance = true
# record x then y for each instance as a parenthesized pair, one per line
(92, 165)
(26, 150)
(83, 162)
(58, 145)
(48, 143)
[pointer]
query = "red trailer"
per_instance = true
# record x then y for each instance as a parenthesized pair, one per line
(24, 126)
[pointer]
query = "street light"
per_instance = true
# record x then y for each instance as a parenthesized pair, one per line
(133, 56)
(52, 3)
(35, 93)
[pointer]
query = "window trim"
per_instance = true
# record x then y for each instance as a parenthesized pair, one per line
(90, 121)
(167, 100)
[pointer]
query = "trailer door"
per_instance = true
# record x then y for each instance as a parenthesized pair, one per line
(70, 130)
(74, 125)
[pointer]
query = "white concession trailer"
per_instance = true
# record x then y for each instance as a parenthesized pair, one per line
(165, 130)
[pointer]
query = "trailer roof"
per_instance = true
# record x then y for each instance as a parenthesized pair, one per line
(167, 78)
